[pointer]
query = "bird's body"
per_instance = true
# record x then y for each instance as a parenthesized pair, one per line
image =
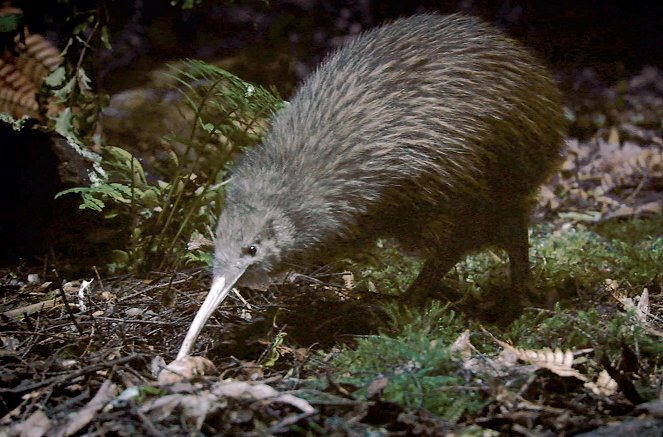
(435, 131)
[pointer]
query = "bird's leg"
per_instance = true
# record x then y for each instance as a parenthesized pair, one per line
(435, 267)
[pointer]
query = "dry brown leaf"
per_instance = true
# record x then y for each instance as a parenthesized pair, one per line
(618, 294)
(33, 308)
(107, 295)
(140, 313)
(601, 169)
(251, 370)
(376, 386)
(507, 358)
(655, 207)
(199, 241)
(82, 417)
(569, 164)
(244, 390)
(642, 309)
(604, 385)
(557, 361)
(259, 391)
(613, 136)
(462, 346)
(622, 212)
(348, 280)
(185, 368)
(196, 407)
(10, 345)
(37, 425)
(191, 407)
(548, 198)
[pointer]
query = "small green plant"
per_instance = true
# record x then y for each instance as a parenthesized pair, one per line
(415, 361)
(384, 269)
(591, 329)
(586, 258)
(176, 211)
(15, 124)
(412, 357)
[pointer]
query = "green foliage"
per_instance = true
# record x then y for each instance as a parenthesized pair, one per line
(574, 259)
(413, 354)
(69, 85)
(11, 23)
(632, 231)
(477, 273)
(177, 211)
(416, 361)
(387, 270)
(161, 212)
(579, 329)
(15, 124)
(186, 4)
(116, 160)
(384, 269)
(227, 114)
(586, 258)
(608, 333)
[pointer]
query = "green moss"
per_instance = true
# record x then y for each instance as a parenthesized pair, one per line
(585, 258)
(413, 353)
(632, 231)
(575, 260)
(385, 269)
(416, 362)
(568, 328)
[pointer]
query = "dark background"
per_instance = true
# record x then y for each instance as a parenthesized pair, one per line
(614, 36)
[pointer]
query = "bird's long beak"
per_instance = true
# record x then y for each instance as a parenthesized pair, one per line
(220, 288)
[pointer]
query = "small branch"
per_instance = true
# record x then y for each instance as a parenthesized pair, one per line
(24, 388)
(63, 295)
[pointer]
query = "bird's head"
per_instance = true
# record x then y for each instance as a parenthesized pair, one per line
(251, 243)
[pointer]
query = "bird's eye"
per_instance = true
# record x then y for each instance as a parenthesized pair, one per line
(252, 250)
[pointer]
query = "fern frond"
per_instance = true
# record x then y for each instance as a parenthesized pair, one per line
(222, 100)
(21, 76)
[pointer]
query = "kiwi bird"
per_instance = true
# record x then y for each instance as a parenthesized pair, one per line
(434, 131)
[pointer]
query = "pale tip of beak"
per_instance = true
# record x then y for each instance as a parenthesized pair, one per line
(218, 292)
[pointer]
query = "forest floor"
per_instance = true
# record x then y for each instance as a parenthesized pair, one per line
(313, 357)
